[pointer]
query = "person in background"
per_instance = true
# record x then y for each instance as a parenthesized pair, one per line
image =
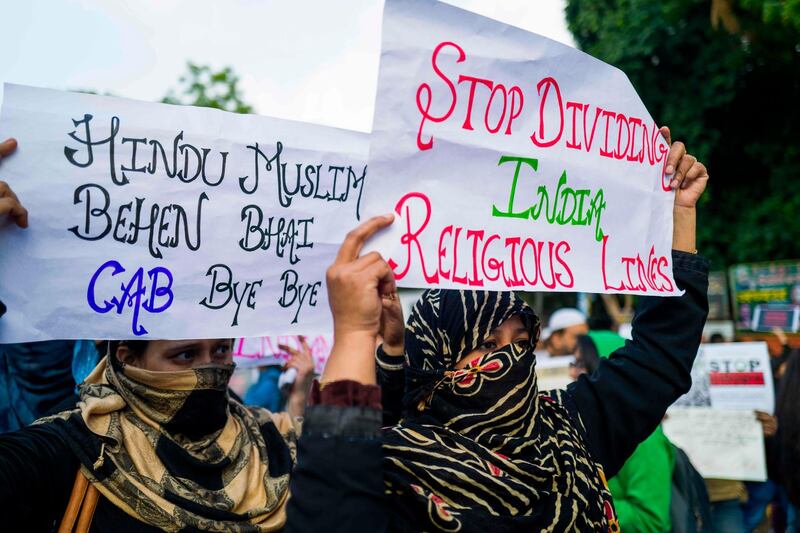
(294, 395)
(642, 488)
(35, 377)
(788, 440)
(265, 392)
(761, 494)
(564, 327)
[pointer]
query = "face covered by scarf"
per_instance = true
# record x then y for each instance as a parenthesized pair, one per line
(172, 450)
(481, 449)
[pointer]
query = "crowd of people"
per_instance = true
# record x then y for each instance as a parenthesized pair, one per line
(431, 423)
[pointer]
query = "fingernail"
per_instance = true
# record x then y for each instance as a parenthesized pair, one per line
(670, 169)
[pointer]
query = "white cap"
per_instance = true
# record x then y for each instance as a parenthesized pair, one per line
(564, 318)
(544, 334)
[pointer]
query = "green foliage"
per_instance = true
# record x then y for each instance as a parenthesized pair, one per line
(784, 12)
(201, 86)
(730, 93)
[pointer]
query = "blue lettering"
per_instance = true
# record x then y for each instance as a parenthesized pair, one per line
(131, 293)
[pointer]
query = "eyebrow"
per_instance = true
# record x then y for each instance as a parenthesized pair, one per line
(184, 346)
(516, 331)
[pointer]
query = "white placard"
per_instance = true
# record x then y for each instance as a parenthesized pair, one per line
(513, 161)
(265, 351)
(732, 376)
(159, 221)
(720, 444)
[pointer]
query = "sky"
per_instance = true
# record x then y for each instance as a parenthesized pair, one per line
(315, 61)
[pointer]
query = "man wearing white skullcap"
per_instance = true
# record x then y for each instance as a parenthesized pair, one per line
(564, 327)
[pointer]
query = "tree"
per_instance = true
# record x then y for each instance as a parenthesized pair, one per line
(725, 76)
(202, 86)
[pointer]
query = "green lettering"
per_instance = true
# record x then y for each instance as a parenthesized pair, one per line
(510, 213)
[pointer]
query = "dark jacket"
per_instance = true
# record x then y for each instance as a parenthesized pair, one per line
(337, 484)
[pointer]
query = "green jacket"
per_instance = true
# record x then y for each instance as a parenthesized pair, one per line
(641, 490)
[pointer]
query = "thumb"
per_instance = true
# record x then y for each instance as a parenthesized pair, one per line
(7, 147)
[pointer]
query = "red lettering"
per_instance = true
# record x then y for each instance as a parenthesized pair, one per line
(412, 237)
(457, 279)
(540, 139)
(603, 268)
(590, 141)
(620, 153)
(424, 88)
(552, 283)
(467, 125)
(514, 281)
(662, 261)
(502, 89)
(608, 115)
(448, 230)
(564, 244)
(515, 110)
(535, 261)
(476, 236)
(634, 122)
(493, 263)
(575, 106)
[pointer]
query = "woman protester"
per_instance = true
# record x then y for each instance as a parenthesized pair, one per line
(478, 447)
(788, 439)
(155, 443)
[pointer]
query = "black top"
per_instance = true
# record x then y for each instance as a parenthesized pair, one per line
(37, 471)
(337, 484)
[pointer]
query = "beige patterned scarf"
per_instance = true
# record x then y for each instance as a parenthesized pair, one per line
(172, 450)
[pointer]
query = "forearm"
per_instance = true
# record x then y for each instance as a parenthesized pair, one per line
(684, 229)
(352, 358)
(296, 404)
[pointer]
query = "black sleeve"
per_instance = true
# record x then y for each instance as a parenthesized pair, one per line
(625, 399)
(337, 484)
(391, 378)
(37, 471)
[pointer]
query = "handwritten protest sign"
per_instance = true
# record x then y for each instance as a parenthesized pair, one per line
(513, 161)
(158, 221)
(264, 351)
(720, 444)
(731, 376)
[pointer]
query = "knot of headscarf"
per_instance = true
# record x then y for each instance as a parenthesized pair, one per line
(172, 450)
(480, 448)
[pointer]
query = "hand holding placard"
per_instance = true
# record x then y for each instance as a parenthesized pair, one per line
(9, 203)
(356, 284)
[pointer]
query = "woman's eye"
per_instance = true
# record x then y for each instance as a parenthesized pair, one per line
(523, 343)
(184, 356)
(222, 349)
(489, 345)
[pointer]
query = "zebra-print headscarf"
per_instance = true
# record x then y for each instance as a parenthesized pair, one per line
(481, 449)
